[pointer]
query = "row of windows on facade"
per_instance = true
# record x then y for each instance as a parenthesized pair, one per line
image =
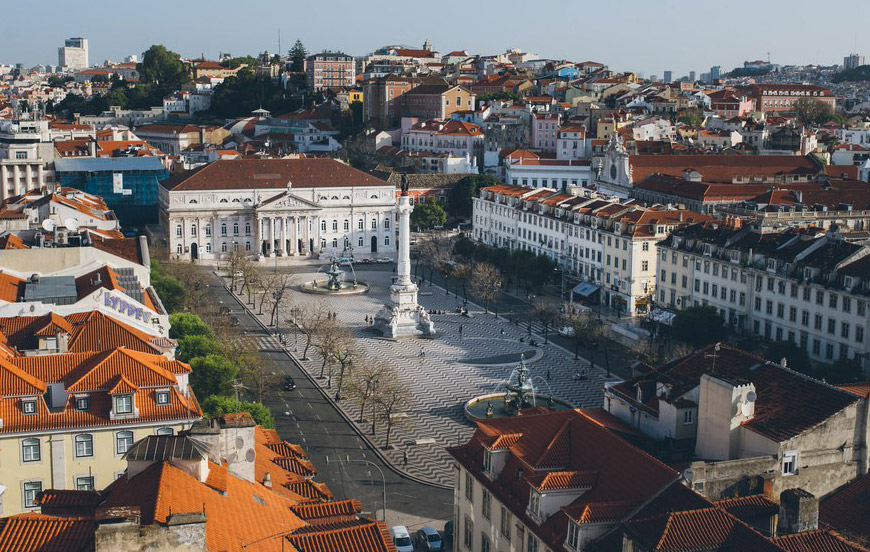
(179, 229)
(123, 403)
(505, 521)
(775, 285)
(31, 447)
(552, 181)
(179, 248)
(570, 229)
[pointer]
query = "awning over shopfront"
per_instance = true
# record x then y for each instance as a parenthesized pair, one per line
(585, 289)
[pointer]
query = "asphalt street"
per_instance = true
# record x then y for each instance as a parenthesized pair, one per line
(306, 417)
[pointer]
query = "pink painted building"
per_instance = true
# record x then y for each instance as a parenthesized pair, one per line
(545, 128)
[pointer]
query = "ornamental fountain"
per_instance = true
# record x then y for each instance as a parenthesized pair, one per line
(336, 284)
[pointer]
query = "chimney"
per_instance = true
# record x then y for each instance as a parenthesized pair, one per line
(799, 196)
(798, 512)
(267, 480)
(92, 147)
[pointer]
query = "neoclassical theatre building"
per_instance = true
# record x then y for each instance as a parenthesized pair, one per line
(277, 207)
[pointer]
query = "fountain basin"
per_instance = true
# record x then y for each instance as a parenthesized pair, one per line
(323, 287)
(476, 408)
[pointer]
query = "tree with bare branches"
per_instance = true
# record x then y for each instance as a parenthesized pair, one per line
(344, 353)
(546, 315)
(236, 258)
(486, 281)
(325, 342)
(278, 297)
(251, 278)
(364, 385)
(309, 321)
(392, 400)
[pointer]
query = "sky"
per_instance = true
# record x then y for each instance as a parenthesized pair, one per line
(647, 36)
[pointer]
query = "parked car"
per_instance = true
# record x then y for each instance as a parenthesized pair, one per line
(384, 260)
(234, 321)
(567, 331)
(366, 260)
(428, 539)
(289, 383)
(402, 539)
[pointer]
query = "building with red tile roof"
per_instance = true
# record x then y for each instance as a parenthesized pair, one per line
(180, 491)
(773, 439)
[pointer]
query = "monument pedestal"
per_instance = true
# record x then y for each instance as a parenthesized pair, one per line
(403, 317)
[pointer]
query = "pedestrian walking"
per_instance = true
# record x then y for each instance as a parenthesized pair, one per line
(404, 458)
(502, 332)
(548, 375)
(422, 353)
(460, 330)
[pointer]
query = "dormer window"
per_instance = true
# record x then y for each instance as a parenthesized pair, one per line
(573, 538)
(83, 403)
(28, 406)
(487, 461)
(162, 396)
(124, 404)
(534, 502)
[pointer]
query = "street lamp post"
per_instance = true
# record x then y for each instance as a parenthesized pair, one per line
(383, 479)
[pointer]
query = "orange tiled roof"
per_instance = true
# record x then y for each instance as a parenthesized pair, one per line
(328, 512)
(45, 533)
(561, 480)
(11, 288)
(365, 535)
(817, 541)
(848, 508)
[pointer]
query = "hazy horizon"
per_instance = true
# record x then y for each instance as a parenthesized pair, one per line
(677, 35)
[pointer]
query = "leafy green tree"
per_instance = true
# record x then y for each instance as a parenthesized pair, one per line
(699, 325)
(239, 95)
(183, 324)
(212, 375)
(459, 200)
(813, 112)
(428, 213)
(193, 346)
(691, 117)
(217, 405)
(170, 289)
(297, 55)
(795, 357)
(844, 370)
(99, 79)
(162, 67)
(248, 61)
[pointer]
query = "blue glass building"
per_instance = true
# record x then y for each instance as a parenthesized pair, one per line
(127, 184)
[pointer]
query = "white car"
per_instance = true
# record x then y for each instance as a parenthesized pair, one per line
(567, 331)
(383, 260)
(402, 539)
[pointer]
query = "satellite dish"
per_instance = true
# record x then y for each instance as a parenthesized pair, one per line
(71, 224)
(751, 396)
(746, 409)
(689, 474)
(49, 225)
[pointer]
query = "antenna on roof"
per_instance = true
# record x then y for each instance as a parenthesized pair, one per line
(714, 355)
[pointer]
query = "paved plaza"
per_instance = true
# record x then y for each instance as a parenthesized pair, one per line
(453, 369)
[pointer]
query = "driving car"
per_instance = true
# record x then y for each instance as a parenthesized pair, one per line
(401, 538)
(567, 331)
(428, 539)
(383, 260)
(289, 383)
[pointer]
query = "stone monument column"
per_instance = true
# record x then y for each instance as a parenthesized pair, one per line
(402, 316)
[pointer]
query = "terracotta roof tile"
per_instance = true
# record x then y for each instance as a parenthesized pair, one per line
(848, 508)
(817, 541)
(45, 533)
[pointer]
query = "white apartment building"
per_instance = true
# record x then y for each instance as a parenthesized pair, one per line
(607, 244)
(277, 207)
(74, 53)
(26, 152)
(458, 138)
(802, 286)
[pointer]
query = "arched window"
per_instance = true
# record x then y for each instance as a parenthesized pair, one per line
(374, 196)
(387, 223)
(386, 240)
(360, 225)
(123, 441)
(346, 225)
(193, 230)
(346, 197)
(334, 198)
(178, 230)
(334, 225)
(224, 229)
(236, 200)
(235, 229)
(179, 249)
(323, 226)
(223, 247)
(360, 242)
(30, 451)
(84, 445)
(208, 229)
(224, 200)
(208, 247)
(247, 246)
(165, 431)
(374, 224)
(334, 243)
(323, 243)
(193, 201)
(247, 228)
